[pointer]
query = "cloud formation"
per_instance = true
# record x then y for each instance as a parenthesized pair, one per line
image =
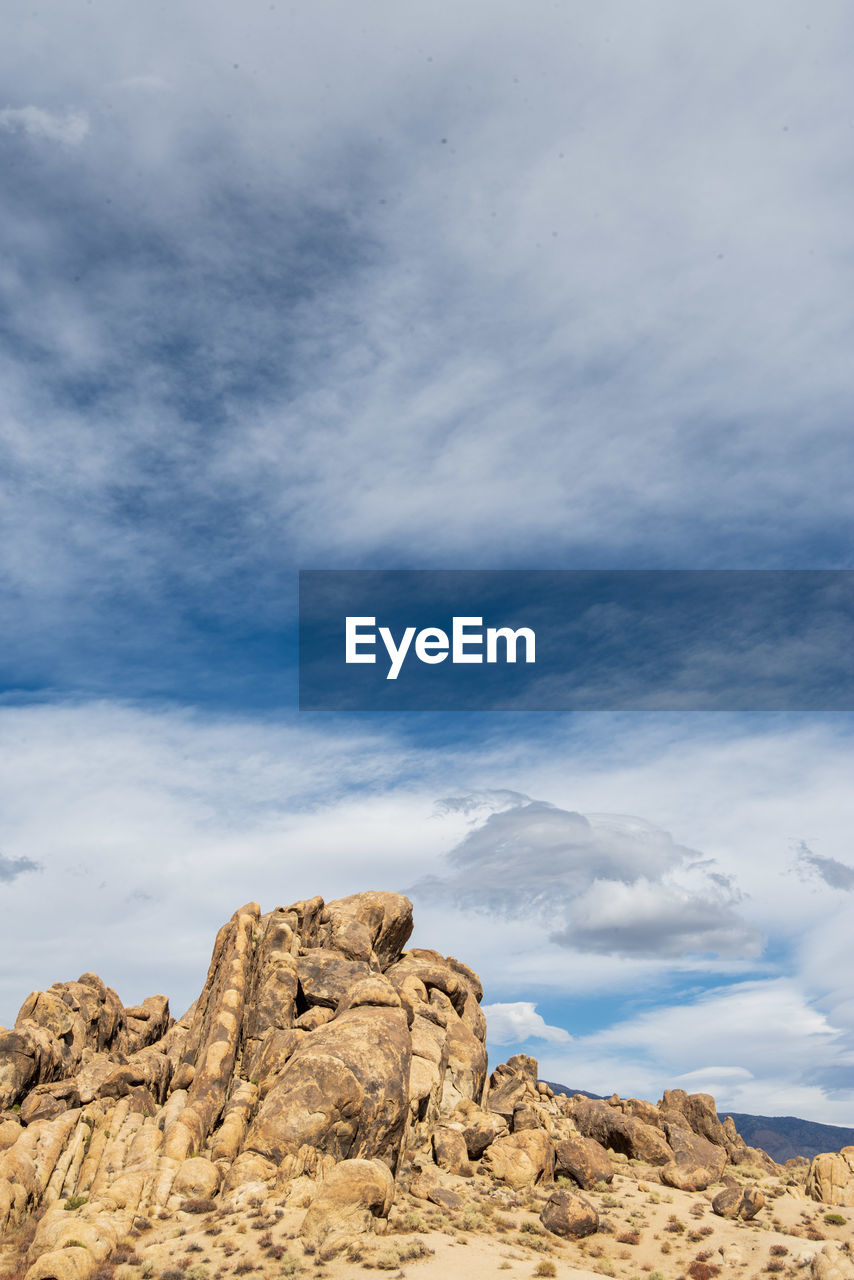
(835, 874)
(519, 1021)
(604, 883)
(317, 295)
(10, 868)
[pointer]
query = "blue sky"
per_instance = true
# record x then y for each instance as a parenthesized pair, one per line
(407, 286)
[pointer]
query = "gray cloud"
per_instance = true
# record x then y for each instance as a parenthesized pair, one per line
(11, 868)
(604, 883)
(838, 875)
(313, 290)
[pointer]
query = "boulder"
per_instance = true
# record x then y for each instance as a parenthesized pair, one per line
(831, 1263)
(610, 1127)
(354, 1198)
(697, 1162)
(344, 1091)
(480, 1131)
(566, 1213)
(584, 1161)
(738, 1202)
(831, 1178)
(384, 919)
(450, 1151)
(325, 977)
(521, 1159)
(511, 1085)
(197, 1178)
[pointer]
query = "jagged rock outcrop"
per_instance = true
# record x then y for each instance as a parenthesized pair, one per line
(320, 1062)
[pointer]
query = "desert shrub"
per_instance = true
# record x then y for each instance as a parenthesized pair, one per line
(628, 1237)
(197, 1204)
(545, 1268)
(702, 1270)
(834, 1219)
(76, 1202)
(388, 1260)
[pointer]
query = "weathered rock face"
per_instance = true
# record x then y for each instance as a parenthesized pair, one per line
(831, 1178)
(584, 1161)
(611, 1127)
(344, 1091)
(352, 1200)
(320, 1061)
(697, 1162)
(521, 1159)
(316, 1045)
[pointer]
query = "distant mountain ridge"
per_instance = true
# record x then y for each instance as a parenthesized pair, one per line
(783, 1137)
(786, 1136)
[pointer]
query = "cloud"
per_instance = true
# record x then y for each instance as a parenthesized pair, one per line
(69, 128)
(835, 874)
(160, 820)
(777, 1053)
(10, 868)
(577, 331)
(519, 1021)
(601, 883)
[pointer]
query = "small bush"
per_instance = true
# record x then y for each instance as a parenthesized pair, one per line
(76, 1202)
(545, 1268)
(834, 1219)
(702, 1270)
(198, 1204)
(388, 1260)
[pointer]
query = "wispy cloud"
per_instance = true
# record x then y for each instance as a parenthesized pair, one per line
(69, 128)
(11, 868)
(835, 874)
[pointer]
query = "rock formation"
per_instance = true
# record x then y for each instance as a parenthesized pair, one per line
(325, 1066)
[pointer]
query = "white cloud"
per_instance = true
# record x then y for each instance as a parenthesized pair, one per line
(151, 826)
(519, 1021)
(69, 128)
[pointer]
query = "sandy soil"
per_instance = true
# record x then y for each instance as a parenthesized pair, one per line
(647, 1232)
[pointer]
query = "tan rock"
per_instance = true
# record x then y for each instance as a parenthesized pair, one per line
(610, 1127)
(450, 1151)
(584, 1161)
(566, 1213)
(738, 1202)
(343, 1091)
(354, 1198)
(697, 1162)
(521, 1159)
(481, 1130)
(831, 1178)
(197, 1178)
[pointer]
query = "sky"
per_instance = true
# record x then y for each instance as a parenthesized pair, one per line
(419, 286)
